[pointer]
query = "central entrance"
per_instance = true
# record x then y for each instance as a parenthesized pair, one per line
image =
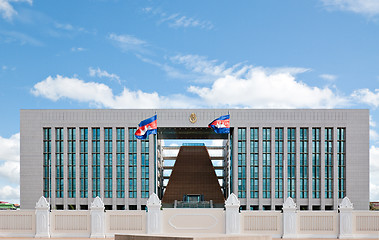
(216, 147)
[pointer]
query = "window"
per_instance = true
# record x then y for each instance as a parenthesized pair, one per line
(132, 163)
(291, 161)
(254, 163)
(242, 162)
(266, 162)
(71, 164)
(59, 162)
(108, 162)
(144, 168)
(279, 162)
(84, 162)
(316, 164)
(341, 156)
(47, 162)
(95, 162)
(303, 162)
(328, 162)
(120, 165)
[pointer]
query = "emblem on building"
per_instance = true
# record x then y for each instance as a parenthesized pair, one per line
(193, 118)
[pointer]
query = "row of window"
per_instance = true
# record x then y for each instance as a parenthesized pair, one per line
(293, 158)
(95, 157)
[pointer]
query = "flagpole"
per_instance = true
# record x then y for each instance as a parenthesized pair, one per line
(229, 159)
(156, 160)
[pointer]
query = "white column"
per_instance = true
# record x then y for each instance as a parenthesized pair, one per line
(97, 218)
(154, 215)
(289, 218)
(232, 221)
(42, 218)
(346, 218)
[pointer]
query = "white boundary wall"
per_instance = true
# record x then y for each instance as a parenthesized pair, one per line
(262, 222)
(345, 223)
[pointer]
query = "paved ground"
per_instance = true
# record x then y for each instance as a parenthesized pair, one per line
(70, 238)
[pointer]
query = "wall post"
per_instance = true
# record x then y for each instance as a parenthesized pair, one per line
(346, 218)
(232, 218)
(154, 215)
(289, 218)
(97, 218)
(42, 218)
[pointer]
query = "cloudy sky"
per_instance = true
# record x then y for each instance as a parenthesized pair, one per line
(185, 54)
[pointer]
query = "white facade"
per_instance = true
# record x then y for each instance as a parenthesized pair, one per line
(296, 143)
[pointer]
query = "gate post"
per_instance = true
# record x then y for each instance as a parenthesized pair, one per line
(154, 215)
(289, 218)
(232, 221)
(97, 218)
(346, 218)
(42, 218)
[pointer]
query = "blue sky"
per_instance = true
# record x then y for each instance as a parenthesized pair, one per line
(185, 54)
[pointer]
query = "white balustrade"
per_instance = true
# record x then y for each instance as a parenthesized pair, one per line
(96, 223)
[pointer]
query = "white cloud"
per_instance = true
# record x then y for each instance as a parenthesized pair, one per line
(102, 73)
(10, 158)
(10, 148)
(12, 36)
(177, 20)
(77, 49)
(64, 26)
(365, 7)
(10, 194)
(372, 122)
(257, 87)
(366, 96)
(10, 171)
(128, 42)
(374, 135)
(210, 70)
(170, 71)
(6, 9)
(101, 95)
(328, 77)
(374, 173)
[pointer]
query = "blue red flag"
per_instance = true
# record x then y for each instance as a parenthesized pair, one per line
(146, 127)
(221, 124)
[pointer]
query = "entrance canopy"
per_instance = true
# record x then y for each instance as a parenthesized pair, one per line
(189, 133)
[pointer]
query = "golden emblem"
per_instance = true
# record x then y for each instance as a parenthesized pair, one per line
(193, 118)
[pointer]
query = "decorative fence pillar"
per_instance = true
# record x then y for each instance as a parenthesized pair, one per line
(42, 218)
(289, 218)
(232, 221)
(346, 218)
(154, 215)
(97, 218)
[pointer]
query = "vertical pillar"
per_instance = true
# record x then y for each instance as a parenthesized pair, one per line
(346, 218)
(97, 218)
(232, 221)
(42, 218)
(289, 218)
(154, 215)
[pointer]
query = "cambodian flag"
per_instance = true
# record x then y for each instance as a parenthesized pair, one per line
(147, 127)
(221, 124)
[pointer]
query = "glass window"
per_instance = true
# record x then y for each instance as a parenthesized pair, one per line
(242, 162)
(266, 162)
(132, 163)
(279, 162)
(95, 162)
(291, 162)
(254, 163)
(316, 164)
(47, 162)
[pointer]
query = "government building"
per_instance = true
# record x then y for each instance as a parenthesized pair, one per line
(316, 157)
